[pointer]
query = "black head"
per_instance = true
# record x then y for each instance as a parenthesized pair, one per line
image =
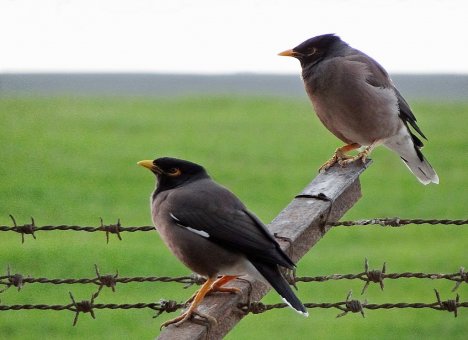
(316, 49)
(173, 172)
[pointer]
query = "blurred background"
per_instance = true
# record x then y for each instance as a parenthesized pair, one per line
(89, 88)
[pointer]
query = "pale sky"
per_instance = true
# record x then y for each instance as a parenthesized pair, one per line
(209, 36)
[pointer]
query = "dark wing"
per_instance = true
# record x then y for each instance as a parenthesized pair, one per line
(235, 229)
(379, 78)
(407, 116)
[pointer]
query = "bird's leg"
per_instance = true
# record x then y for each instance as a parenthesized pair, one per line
(339, 156)
(363, 155)
(193, 306)
(217, 286)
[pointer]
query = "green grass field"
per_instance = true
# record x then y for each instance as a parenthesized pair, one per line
(73, 160)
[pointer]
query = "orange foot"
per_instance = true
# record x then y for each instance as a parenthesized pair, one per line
(209, 286)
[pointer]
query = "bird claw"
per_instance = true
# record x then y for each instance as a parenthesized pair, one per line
(206, 319)
(343, 160)
(338, 157)
(187, 315)
(208, 287)
(328, 164)
(176, 321)
(362, 156)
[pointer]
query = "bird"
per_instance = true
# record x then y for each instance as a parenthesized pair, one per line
(355, 98)
(213, 233)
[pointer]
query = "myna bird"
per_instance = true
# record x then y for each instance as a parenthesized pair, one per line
(211, 231)
(357, 101)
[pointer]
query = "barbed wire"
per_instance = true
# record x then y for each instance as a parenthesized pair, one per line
(397, 222)
(31, 228)
(379, 275)
(169, 306)
(110, 280)
(357, 306)
(88, 306)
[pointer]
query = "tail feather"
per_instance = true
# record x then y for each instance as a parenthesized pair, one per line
(422, 170)
(272, 274)
(409, 151)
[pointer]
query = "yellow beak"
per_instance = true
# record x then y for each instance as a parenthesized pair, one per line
(288, 53)
(147, 164)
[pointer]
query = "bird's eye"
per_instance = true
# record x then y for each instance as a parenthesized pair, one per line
(312, 51)
(174, 172)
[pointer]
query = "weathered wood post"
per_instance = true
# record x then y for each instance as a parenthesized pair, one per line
(298, 228)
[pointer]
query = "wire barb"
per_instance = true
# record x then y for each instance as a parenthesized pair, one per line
(24, 229)
(85, 306)
(168, 306)
(376, 276)
(111, 228)
(354, 306)
(107, 280)
(16, 280)
(448, 305)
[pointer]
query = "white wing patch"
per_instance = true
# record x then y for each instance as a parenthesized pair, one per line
(196, 231)
(199, 232)
(175, 218)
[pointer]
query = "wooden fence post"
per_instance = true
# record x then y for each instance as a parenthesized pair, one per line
(298, 228)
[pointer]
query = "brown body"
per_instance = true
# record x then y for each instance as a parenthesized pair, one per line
(357, 101)
(211, 232)
(182, 241)
(342, 102)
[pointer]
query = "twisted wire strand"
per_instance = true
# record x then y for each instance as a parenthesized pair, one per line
(30, 228)
(65, 227)
(255, 308)
(398, 222)
(377, 276)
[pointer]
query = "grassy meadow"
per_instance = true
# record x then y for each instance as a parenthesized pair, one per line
(73, 160)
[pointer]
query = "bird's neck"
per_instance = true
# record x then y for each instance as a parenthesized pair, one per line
(311, 77)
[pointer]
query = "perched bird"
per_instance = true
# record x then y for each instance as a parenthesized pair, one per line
(357, 101)
(211, 231)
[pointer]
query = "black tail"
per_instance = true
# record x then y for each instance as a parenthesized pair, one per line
(272, 274)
